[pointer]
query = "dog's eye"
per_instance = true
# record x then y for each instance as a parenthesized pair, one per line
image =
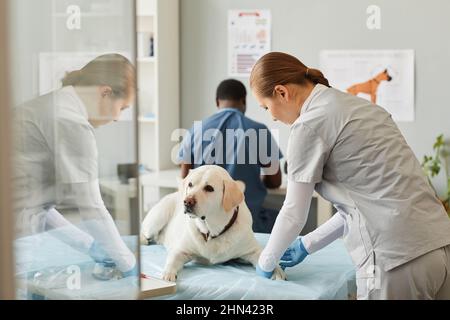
(208, 188)
(190, 185)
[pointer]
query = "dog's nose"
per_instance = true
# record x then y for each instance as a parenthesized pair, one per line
(189, 203)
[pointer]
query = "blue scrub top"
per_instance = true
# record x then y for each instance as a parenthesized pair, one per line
(211, 141)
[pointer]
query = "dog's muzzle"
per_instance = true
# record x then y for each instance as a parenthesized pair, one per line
(188, 210)
(189, 205)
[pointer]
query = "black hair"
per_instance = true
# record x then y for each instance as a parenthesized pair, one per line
(231, 89)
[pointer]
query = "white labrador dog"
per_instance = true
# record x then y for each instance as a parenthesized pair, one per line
(207, 220)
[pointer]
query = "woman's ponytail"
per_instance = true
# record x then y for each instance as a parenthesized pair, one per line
(316, 76)
(113, 70)
(72, 78)
(278, 68)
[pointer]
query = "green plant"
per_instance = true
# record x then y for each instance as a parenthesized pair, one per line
(432, 166)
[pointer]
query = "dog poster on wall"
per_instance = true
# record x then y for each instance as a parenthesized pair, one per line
(385, 77)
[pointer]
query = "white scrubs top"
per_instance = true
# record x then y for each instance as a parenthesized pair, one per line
(55, 145)
(357, 158)
(56, 164)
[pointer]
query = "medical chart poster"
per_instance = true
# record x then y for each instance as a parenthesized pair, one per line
(249, 38)
(385, 77)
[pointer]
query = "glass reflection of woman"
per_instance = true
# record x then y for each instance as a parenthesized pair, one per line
(56, 158)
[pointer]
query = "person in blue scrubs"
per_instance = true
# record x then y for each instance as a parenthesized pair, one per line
(244, 147)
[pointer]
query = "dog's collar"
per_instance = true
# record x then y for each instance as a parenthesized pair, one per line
(207, 236)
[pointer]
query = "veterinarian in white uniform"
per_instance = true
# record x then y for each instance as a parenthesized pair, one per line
(351, 151)
(56, 158)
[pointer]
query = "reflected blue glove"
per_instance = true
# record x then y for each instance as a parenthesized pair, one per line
(131, 273)
(97, 253)
(105, 270)
(263, 273)
(295, 254)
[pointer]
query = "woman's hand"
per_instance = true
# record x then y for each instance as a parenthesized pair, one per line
(97, 253)
(260, 272)
(295, 254)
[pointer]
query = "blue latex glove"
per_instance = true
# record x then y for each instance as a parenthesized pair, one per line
(263, 273)
(295, 254)
(131, 273)
(104, 270)
(97, 253)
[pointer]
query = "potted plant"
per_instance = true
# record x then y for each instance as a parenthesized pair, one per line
(432, 165)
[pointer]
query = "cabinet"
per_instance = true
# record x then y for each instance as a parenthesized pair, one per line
(158, 99)
(158, 80)
(157, 42)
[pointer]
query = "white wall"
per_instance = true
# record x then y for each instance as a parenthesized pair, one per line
(303, 28)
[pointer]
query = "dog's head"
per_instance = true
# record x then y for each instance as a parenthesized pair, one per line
(209, 192)
(386, 75)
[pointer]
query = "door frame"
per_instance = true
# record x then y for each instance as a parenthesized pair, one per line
(6, 218)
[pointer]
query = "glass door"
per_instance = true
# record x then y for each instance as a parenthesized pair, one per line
(76, 206)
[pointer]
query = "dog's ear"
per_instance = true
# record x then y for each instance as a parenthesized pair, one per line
(241, 185)
(232, 194)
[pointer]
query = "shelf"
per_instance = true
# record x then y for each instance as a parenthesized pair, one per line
(141, 120)
(155, 77)
(145, 24)
(146, 59)
(88, 14)
(146, 8)
(147, 120)
(145, 15)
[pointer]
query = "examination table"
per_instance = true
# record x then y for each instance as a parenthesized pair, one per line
(327, 274)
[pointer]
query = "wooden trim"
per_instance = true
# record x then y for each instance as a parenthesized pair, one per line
(6, 223)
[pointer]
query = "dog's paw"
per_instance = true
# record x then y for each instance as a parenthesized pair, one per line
(144, 240)
(278, 274)
(170, 276)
